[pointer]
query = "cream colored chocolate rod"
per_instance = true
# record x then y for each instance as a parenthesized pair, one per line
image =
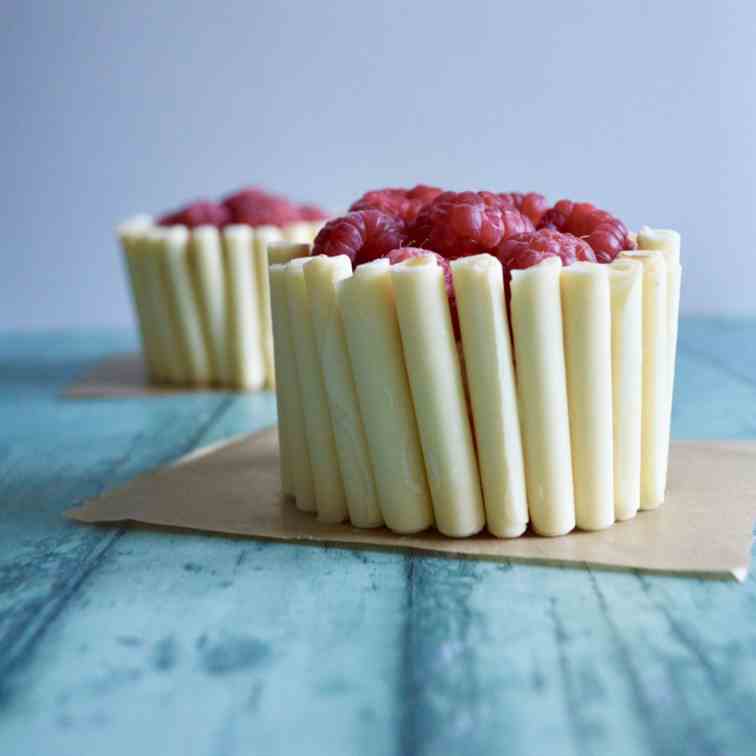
(368, 311)
(542, 391)
(322, 274)
(430, 354)
(296, 470)
(184, 306)
(129, 235)
(277, 252)
(301, 232)
(667, 242)
(626, 287)
(162, 317)
(206, 256)
(479, 290)
(263, 236)
(246, 368)
(329, 489)
(655, 392)
(586, 316)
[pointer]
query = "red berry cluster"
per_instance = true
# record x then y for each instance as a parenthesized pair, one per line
(520, 229)
(251, 206)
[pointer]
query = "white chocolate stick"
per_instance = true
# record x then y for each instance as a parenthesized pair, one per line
(586, 317)
(206, 257)
(130, 234)
(162, 317)
(296, 470)
(667, 242)
(183, 303)
(655, 392)
(329, 489)
(368, 311)
(479, 289)
(277, 252)
(430, 354)
(263, 236)
(626, 288)
(542, 391)
(300, 232)
(245, 351)
(322, 274)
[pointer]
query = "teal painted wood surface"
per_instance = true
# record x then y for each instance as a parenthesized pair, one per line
(130, 641)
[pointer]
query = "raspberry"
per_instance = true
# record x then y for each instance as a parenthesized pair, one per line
(532, 204)
(311, 213)
(465, 223)
(607, 235)
(256, 207)
(200, 213)
(524, 250)
(403, 203)
(406, 253)
(363, 235)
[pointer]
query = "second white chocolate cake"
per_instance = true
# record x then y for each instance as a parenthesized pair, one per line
(199, 283)
(472, 361)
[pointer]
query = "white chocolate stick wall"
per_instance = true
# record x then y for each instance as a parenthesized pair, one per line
(202, 300)
(568, 426)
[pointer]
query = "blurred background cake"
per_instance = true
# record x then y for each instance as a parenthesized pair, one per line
(199, 284)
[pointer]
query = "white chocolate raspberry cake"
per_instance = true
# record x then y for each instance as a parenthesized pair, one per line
(476, 360)
(199, 284)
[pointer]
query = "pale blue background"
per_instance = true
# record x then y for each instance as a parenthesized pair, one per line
(646, 108)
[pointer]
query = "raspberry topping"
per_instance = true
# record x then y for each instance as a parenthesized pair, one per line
(311, 213)
(607, 235)
(363, 235)
(524, 250)
(256, 207)
(403, 203)
(457, 224)
(202, 213)
(406, 253)
(532, 204)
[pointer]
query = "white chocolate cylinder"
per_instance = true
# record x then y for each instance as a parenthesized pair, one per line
(322, 274)
(246, 368)
(430, 354)
(129, 235)
(264, 236)
(296, 470)
(300, 232)
(184, 305)
(542, 391)
(206, 256)
(586, 317)
(626, 287)
(368, 311)
(667, 242)
(655, 392)
(329, 490)
(479, 290)
(162, 317)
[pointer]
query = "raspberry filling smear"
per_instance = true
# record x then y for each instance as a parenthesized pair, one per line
(607, 235)
(403, 203)
(457, 224)
(362, 235)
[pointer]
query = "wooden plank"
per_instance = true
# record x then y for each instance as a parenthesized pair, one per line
(188, 644)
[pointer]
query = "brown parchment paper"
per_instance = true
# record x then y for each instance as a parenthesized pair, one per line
(704, 527)
(123, 375)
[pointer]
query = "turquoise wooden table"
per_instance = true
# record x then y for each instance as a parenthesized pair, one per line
(135, 641)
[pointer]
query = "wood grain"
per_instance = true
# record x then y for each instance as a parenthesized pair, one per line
(139, 641)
